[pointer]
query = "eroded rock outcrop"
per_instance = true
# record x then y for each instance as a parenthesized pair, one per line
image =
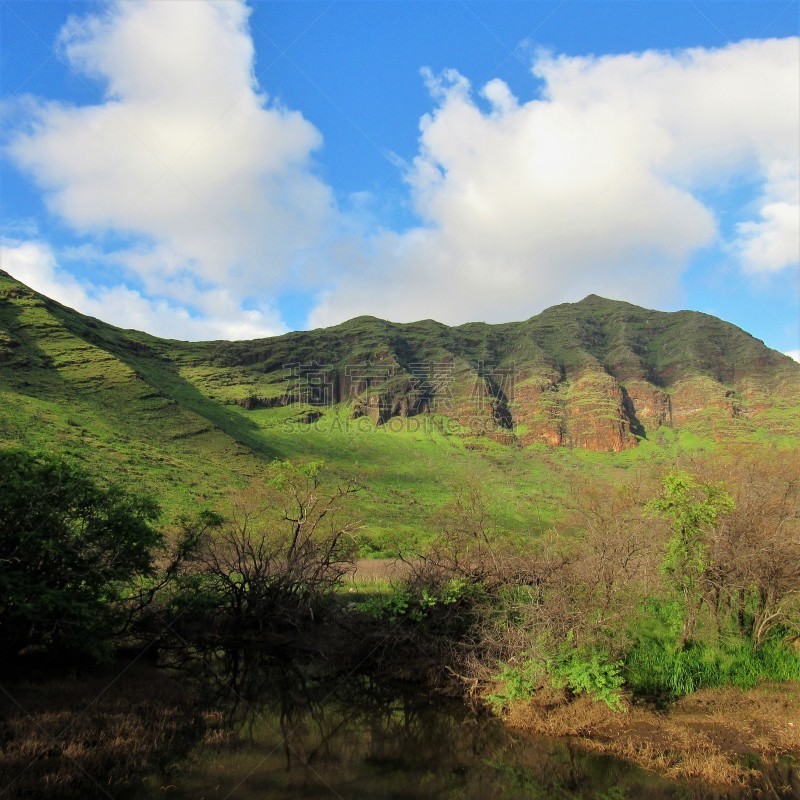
(586, 410)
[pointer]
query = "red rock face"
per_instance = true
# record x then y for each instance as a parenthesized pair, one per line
(701, 396)
(466, 398)
(587, 410)
(474, 408)
(539, 407)
(648, 405)
(597, 418)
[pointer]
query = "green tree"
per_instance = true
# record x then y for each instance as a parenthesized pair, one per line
(69, 549)
(693, 510)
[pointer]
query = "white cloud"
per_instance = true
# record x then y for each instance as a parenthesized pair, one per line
(595, 187)
(182, 153)
(795, 354)
(773, 243)
(34, 264)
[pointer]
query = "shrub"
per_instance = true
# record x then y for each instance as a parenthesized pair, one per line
(517, 682)
(590, 673)
(68, 548)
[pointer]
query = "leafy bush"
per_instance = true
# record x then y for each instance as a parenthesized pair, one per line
(68, 548)
(693, 509)
(590, 673)
(404, 603)
(517, 682)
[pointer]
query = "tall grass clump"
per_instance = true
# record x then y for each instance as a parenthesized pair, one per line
(654, 668)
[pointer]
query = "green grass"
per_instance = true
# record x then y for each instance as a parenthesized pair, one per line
(164, 416)
(654, 668)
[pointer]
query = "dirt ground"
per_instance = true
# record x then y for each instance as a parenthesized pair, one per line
(380, 569)
(724, 737)
(81, 736)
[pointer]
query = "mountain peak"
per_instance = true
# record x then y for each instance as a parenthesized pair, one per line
(598, 374)
(596, 300)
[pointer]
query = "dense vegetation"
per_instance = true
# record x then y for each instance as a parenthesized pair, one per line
(69, 552)
(656, 585)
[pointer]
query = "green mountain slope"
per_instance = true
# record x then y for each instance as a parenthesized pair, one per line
(410, 408)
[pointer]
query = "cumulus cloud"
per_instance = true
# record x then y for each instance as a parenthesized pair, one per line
(599, 185)
(184, 155)
(795, 354)
(772, 243)
(596, 186)
(35, 264)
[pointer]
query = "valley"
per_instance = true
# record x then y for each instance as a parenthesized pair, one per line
(586, 524)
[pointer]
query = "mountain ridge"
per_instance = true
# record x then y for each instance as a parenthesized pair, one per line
(410, 408)
(590, 299)
(597, 374)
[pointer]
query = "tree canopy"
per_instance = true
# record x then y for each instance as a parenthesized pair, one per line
(69, 546)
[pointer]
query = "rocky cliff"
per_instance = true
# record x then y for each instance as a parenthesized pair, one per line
(598, 374)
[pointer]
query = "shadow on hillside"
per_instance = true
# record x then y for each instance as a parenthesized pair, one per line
(163, 375)
(155, 371)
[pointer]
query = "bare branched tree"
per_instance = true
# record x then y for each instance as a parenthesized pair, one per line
(615, 557)
(282, 548)
(755, 553)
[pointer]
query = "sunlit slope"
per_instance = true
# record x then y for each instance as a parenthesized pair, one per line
(129, 406)
(113, 398)
(410, 409)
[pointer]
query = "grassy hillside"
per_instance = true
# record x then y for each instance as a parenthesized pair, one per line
(152, 414)
(409, 410)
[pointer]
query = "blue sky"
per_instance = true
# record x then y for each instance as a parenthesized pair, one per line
(204, 170)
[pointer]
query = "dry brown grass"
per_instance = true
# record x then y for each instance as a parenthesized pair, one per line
(87, 736)
(712, 736)
(371, 570)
